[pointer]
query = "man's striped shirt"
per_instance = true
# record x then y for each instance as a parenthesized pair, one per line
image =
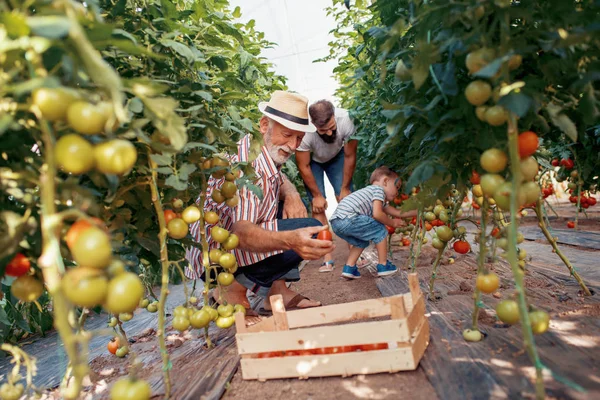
(359, 202)
(250, 208)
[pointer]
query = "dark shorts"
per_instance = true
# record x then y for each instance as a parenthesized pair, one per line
(260, 276)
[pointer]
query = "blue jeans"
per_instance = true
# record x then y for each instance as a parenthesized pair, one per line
(259, 277)
(359, 230)
(334, 169)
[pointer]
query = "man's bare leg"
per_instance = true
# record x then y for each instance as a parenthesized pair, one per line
(279, 287)
(233, 294)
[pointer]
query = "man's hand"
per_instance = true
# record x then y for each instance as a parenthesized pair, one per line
(307, 247)
(319, 204)
(293, 207)
(344, 192)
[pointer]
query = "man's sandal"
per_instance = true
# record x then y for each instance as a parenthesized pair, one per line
(291, 305)
(327, 266)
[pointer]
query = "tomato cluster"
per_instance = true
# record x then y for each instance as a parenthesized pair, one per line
(479, 92)
(73, 153)
(323, 350)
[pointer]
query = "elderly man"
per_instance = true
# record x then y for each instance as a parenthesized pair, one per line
(332, 151)
(270, 249)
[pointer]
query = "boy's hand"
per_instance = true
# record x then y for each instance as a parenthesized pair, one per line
(398, 223)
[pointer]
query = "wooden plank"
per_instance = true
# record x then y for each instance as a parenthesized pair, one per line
(417, 315)
(421, 341)
(279, 315)
(395, 330)
(397, 308)
(358, 310)
(413, 284)
(345, 364)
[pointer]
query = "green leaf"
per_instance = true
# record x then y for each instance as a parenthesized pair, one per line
(491, 69)
(232, 96)
(51, 27)
(181, 49)
(185, 170)
(136, 105)
(518, 103)
(422, 173)
(161, 110)
(15, 24)
(204, 94)
(4, 318)
(237, 12)
(562, 121)
(194, 145)
(174, 182)
(419, 75)
(164, 170)
(125, 34)
(161, 160)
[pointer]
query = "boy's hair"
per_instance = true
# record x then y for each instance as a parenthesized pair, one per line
(382, 172)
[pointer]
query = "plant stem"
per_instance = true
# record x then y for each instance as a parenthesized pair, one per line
(542, 225)
(435, 267)
(164, 289)
(480, 264)
(51, 262)
(205, 258)
(512, 257)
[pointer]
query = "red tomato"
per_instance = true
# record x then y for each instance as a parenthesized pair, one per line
(405, 242)
(475, 206)
(397, 201)
(571, 224)
(413, 221)
(325, 235)
(475, 178)
(555, 162)
(18, 266)
(461, 247)
(376, 346)
(390, 229)
(169, 215)
(113, 345)
(592, 201)
(428, 226)
(404, 196)
(495, 232)
(567, 163)
(573, 199)
(528, 143)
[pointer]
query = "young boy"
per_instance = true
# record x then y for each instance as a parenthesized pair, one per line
(361, 217)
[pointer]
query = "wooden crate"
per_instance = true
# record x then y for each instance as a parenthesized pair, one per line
(297, 334)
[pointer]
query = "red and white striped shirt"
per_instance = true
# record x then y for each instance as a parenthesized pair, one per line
(250, 208)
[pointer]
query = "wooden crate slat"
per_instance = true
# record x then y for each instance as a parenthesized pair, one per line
(395, 330)
(345, 364)
(357, 310)
(416, 315)
(420, 342)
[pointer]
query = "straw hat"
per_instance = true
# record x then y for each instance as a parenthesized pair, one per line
(289, 109)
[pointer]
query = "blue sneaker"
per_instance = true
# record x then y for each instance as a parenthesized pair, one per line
(387, 269)
(350, 272)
